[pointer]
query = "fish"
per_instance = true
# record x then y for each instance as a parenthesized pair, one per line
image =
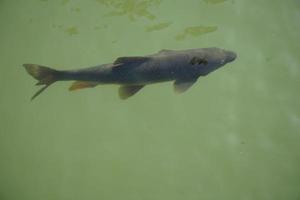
(183, 67)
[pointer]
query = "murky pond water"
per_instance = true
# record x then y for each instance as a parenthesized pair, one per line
(234, 135)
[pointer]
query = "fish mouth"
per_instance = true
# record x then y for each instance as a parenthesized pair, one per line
(231, 56)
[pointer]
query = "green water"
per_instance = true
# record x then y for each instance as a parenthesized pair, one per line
(234, 135)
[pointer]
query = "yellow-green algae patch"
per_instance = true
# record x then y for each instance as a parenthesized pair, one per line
(72, 31)
(64, 2)
(195, 31)
(158, 27)
(75, 10)
(131, 8)
(214, 1)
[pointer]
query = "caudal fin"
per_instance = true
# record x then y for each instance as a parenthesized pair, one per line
(45, 76)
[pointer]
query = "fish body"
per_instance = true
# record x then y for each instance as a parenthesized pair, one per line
(133, 73)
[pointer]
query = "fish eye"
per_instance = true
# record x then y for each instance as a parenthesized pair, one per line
(194, 61)
(203, 61)
(199, 61)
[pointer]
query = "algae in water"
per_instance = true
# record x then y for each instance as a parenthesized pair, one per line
(72, 31)
(214, 1)
(158, 27)
(131, 8)
(195, 31)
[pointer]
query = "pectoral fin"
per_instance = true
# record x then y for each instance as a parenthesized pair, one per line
(82, 84)
(127, 91)
(181, 86)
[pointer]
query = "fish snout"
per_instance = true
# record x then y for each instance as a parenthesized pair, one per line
(230, 56)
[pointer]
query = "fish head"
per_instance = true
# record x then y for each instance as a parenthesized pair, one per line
(210, 59)
(219, 57)
(230, 56)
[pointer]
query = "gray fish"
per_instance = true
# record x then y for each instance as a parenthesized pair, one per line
(183, 67)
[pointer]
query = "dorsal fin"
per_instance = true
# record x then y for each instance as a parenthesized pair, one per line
(128, 60)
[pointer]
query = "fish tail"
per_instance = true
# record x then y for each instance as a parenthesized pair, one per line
(45, 76)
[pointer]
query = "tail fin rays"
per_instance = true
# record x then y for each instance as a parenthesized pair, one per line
(45, 76)
(39, 91)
